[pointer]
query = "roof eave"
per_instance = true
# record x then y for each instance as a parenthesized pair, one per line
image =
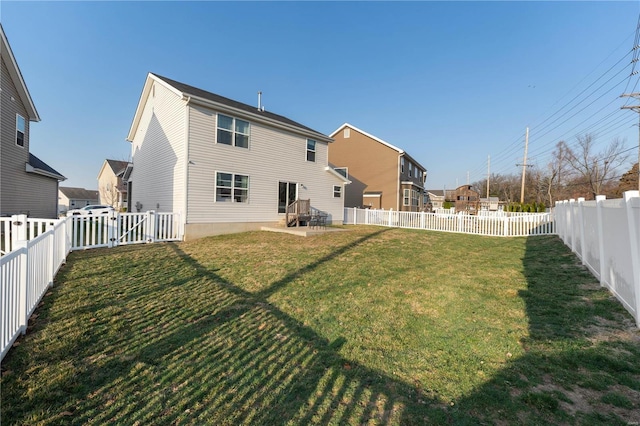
(16, 76)
(30, 169)
(255, 117)
(375, 138)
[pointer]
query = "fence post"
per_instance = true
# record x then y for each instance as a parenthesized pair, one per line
(422, 226)
(632, 204)
(390, 219)
(23, 246)
(600, 224)
(581, 224)
(355, 215)
(18, 229)
(366, 216)
(151, 226)
(112, 229)
(571, 223)
(52, 255)
(505, 226)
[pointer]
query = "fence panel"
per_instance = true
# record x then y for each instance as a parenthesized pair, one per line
(605, 235)
(10, 318)
(500, 225)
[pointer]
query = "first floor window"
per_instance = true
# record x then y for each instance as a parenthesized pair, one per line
(406, 198)
(337, 191)
(21, 129)
(414, 198)
(231, 187)
(311, 150)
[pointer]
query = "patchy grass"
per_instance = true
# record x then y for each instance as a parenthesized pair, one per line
(371, 326)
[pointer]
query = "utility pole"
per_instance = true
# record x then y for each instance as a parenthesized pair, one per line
(488, 173)
(524, 166)
(635, 108)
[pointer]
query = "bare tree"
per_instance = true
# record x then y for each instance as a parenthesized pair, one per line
(595, 168)
(109, 195)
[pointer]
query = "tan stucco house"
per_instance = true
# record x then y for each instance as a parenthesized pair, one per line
(382, 175)
(27, 184)
(112, 188)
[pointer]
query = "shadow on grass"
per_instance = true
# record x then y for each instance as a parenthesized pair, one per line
(575, 353)
(204, 351)
(185, 346)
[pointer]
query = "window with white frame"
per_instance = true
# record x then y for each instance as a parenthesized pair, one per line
(407, 197)
(414, 198)
(337, 191)
(21, 129)
(232, 131)
(344, 171)
(410, 169)
(231, 187)
(311, 150)
(402, 165)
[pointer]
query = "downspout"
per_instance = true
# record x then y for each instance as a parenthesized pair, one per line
(398, 194)
(186, 166)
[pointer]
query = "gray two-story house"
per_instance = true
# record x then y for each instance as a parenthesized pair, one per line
(27, 184)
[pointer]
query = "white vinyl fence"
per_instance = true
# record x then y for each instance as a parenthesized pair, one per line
(503, 225)
(33, 250)
(605, 234)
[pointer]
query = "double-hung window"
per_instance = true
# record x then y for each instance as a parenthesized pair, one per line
(311, 150)
(21, 129)
(232, 131)
(406, 198)
(410, 169)
(402, 165)
(414, 198)
(231, 187)
(337, 191)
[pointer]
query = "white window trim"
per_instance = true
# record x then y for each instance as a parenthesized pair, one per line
(314, 150)
(233, 131)
(24, 134)
(233, 188)
(406, 199)
(337, 189)
(346, 171)
(401, 164)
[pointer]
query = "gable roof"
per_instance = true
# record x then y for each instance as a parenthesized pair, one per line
(395, 148)
(436, 192)
(117, 166)
(212, 100)
(36, 165)
(402, 152)
(78, 193)
(16, 76)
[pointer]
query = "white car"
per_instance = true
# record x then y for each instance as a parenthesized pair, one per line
(91, 210)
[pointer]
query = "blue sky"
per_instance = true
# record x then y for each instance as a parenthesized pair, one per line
(449, 82)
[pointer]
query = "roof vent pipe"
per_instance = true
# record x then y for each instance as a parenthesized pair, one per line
(260, 102)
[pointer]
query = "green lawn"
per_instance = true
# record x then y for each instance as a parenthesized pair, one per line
(370, 326)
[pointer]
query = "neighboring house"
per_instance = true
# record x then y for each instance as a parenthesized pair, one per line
(75, 198)
(225, 165)
(382, 175)
(434, 199)
(27, 184)
(112, 189)
(466, 199)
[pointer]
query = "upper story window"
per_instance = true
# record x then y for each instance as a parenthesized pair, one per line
(337, 191)
(21, 129)
(311, 150)
(232, 131)
(402, 165)
(232, 188)
(410, 169)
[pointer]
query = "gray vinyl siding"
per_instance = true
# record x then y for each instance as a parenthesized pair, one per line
(20, 192)
(274, 155)
(158, 152)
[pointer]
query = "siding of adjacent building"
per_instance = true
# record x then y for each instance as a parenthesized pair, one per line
(373, 167)
(158, 152)
(21, 192)
(273, 156)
